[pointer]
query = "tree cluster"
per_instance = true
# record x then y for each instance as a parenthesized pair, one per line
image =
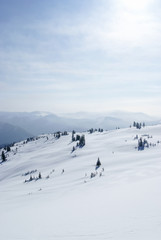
(92, 130)
(30, 139)
(34, 178)
(138, 125)
(58, 134)
(79, 139)
(142, 144)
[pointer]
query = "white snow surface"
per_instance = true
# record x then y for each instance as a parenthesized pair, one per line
(124, 203)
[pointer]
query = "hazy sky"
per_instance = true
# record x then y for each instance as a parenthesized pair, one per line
(80, 55)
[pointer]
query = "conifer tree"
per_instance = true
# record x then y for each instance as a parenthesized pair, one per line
(140, 144)
(98, 164)
(77, 137)
(73, 149)
(73, 138)
(8, 148)
(3, 157)
(82, 141)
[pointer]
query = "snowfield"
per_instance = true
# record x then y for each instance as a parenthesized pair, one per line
(122, 201)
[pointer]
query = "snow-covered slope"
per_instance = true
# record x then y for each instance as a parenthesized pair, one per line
(122, 202)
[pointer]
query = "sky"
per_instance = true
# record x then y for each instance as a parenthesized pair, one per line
(80, 55)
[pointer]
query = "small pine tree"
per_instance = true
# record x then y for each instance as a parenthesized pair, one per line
(73, 149)
(3, 157)
(31, 178)
(40, 175)
(77, 137)
(73, 138)
(91, 130)
(8, 148)
(58, 135)
(140, 144)
(138, 125)
(73, 132)
(82, 141)
(98, 164)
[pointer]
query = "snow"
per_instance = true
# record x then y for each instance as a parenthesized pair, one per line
(122, 204)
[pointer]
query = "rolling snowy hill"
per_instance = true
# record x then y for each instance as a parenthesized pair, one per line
(121, 202)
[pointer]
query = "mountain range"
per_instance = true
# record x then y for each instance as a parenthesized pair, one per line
(16, 126)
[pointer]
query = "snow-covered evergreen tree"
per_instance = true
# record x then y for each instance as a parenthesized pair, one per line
(140, 144)
(3, 157)
(98, 164)
(82, 141)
